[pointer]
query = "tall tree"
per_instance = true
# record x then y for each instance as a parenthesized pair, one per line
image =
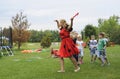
(36, 36)
(89, 30)
(111, 27)
(108, 25)
(20, 29)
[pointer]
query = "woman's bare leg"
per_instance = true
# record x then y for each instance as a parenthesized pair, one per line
(61, 65)
(74, 62)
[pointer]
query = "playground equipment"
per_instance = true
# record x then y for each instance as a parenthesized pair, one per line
(6, 42)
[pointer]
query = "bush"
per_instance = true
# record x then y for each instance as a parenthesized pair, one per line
(115, 36)
(46, 41)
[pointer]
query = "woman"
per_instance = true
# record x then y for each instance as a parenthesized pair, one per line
(67, 48)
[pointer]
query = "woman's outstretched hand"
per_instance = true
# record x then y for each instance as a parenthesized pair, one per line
(56, 20)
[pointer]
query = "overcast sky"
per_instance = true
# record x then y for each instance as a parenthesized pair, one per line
(42, 13)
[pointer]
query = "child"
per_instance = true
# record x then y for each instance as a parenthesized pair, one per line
(54, 53)
(67, 48)
(93, 48)
(101, 47)
(79, 43)
(74, 35)
(104, 51)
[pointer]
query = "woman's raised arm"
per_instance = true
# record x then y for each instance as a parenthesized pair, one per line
(57, 23)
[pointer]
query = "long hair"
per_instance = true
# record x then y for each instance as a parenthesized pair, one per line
(63, 23)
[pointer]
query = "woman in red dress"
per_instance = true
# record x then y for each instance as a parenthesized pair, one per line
(67, 48)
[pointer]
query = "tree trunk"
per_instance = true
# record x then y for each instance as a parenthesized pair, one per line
(19, 45)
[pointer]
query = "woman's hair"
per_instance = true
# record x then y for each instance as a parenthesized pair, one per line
(64, 23)
(63, 20)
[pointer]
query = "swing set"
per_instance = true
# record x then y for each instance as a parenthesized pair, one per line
(6, 43)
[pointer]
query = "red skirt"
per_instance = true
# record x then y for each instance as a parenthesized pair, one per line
(67, 48)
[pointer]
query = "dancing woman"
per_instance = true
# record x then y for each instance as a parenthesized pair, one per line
(67, 48)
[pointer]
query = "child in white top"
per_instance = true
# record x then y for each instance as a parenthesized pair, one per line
(79, 43)
(93, 48)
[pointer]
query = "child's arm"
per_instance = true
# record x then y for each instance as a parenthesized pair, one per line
(104, 45)
(57, 23)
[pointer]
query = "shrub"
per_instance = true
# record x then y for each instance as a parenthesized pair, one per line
(46, 41)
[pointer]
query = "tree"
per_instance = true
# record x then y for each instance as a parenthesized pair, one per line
(55, 36)
(36, 36)
(115, 37)
(89, 30)
(108, 25)
(111, 27)
(46, 40)
(20, 25)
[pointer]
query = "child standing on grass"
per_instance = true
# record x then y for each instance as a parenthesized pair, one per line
(100, 48)
(79, 43)
(93, 48)
(67, 48)
(74, 35)
(104, 51)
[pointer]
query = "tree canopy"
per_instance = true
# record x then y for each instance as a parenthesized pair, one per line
(111, 27)
(89, 30)
(20, 25)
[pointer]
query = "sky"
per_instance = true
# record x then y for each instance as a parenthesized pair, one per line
(42, 13)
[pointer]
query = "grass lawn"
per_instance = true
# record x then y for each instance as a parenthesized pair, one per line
(39, 66)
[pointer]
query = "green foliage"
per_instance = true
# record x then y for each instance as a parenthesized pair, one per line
(108, 25)
(90, 30)
(36, 36)
(46, 40)
(55, 36)
(111, 27)
(115, 37)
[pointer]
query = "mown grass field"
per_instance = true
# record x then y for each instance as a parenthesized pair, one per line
(39, 66)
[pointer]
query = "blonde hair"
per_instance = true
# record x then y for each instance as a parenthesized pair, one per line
(63, 23)
(79, 37)
(63, 20)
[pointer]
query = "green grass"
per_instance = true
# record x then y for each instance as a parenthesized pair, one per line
(39, 66)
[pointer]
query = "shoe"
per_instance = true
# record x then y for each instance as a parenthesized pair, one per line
(61, 71)
(76, 70)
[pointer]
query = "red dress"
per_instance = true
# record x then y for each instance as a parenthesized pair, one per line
(67, 48)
